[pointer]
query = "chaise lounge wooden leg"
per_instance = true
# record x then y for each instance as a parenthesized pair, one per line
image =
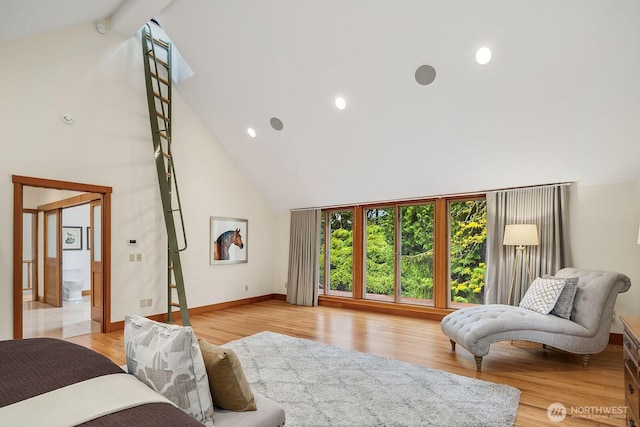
(478, 362)
(585, 360)
(453, 345)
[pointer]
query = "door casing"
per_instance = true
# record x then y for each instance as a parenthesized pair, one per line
(97, 301)
(19, 182)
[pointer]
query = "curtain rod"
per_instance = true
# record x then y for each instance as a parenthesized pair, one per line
(475, 193)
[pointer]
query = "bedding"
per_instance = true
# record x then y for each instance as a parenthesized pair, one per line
(35, 366)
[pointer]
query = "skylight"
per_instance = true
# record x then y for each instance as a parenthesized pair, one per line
(180, 69)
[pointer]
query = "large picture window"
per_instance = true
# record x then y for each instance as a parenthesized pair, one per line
(379, 262)
(336, 229)
(416, 249)
(429, 253)
(467, 248)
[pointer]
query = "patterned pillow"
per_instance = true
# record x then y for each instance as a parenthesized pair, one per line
(229, 386)
(564, 305)
(167, 358)
(542, 295)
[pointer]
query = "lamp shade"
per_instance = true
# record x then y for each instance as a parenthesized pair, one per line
(521, 235)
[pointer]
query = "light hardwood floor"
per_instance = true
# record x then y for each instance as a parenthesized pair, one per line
(44, 320)
(543, 376)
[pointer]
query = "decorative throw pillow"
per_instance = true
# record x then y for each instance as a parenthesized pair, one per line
(564, 305)
(542, 295)
(167, 358)
(229, 386)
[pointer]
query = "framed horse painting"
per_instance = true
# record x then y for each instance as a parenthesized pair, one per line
(228, 240)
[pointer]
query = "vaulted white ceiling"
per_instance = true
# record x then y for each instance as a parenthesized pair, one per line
(559, 101)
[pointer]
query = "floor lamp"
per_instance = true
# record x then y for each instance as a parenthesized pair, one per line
(520, 236)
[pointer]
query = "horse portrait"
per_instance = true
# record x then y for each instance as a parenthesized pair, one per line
(224, 241)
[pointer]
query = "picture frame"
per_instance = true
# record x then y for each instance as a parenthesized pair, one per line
(71, 238)
(88, 238)
(228, 240)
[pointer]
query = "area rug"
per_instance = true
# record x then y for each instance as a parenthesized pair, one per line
(322, 385)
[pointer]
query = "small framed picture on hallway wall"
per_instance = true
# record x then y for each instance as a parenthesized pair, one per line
(229, 240)
(71, 238)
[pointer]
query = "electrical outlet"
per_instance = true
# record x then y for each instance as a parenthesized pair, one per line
(132, 257)
(143, 303)
(138, 257)
(149, 302)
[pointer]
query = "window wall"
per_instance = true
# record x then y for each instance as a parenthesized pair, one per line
(468, 251)
(336, 230)
(428, 253)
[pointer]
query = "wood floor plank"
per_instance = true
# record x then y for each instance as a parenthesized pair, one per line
(544, 376)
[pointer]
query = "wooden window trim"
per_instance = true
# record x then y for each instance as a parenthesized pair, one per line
(441, 291)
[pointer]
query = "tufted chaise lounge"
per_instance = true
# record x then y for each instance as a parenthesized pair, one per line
(585, 333)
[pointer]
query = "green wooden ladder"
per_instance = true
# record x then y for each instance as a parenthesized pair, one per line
(157, 70)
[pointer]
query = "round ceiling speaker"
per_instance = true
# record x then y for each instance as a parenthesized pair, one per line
(276, 123)
(425, 74)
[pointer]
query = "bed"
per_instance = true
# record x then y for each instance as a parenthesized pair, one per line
(32, 367)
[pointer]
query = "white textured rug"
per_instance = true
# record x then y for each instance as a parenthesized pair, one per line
(322, 385)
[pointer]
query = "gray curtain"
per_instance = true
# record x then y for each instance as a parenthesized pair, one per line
(547, 207)
(304, 254)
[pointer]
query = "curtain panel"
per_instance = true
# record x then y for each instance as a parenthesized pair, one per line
(547, 207)
(304, 254)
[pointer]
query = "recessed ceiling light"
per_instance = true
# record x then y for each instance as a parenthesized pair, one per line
(483, 55)
(341, 103)
(251, 132)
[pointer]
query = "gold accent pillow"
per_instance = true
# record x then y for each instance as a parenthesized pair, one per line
(229, 386)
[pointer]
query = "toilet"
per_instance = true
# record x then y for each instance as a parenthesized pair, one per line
(72, 285)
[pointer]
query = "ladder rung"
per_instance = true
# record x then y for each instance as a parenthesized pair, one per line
(163, 80)
(163, 135)
(173, 286)
(157, 95)
(166, 155)
(175, 304)
(158, 60)
(159, 114)
(159, 42)
(168, 174)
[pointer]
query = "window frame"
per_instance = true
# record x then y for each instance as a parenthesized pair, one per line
(441, 256)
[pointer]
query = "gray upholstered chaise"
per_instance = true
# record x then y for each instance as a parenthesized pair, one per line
(586, 333)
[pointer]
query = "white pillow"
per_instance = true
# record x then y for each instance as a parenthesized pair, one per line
(167, 358)
(542, 295)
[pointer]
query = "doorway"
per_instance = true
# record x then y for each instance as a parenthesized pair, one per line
(60, 306)
(98, 240)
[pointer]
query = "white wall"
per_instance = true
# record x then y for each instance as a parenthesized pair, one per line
(283, 227)
(604, 232)
(99, 80)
